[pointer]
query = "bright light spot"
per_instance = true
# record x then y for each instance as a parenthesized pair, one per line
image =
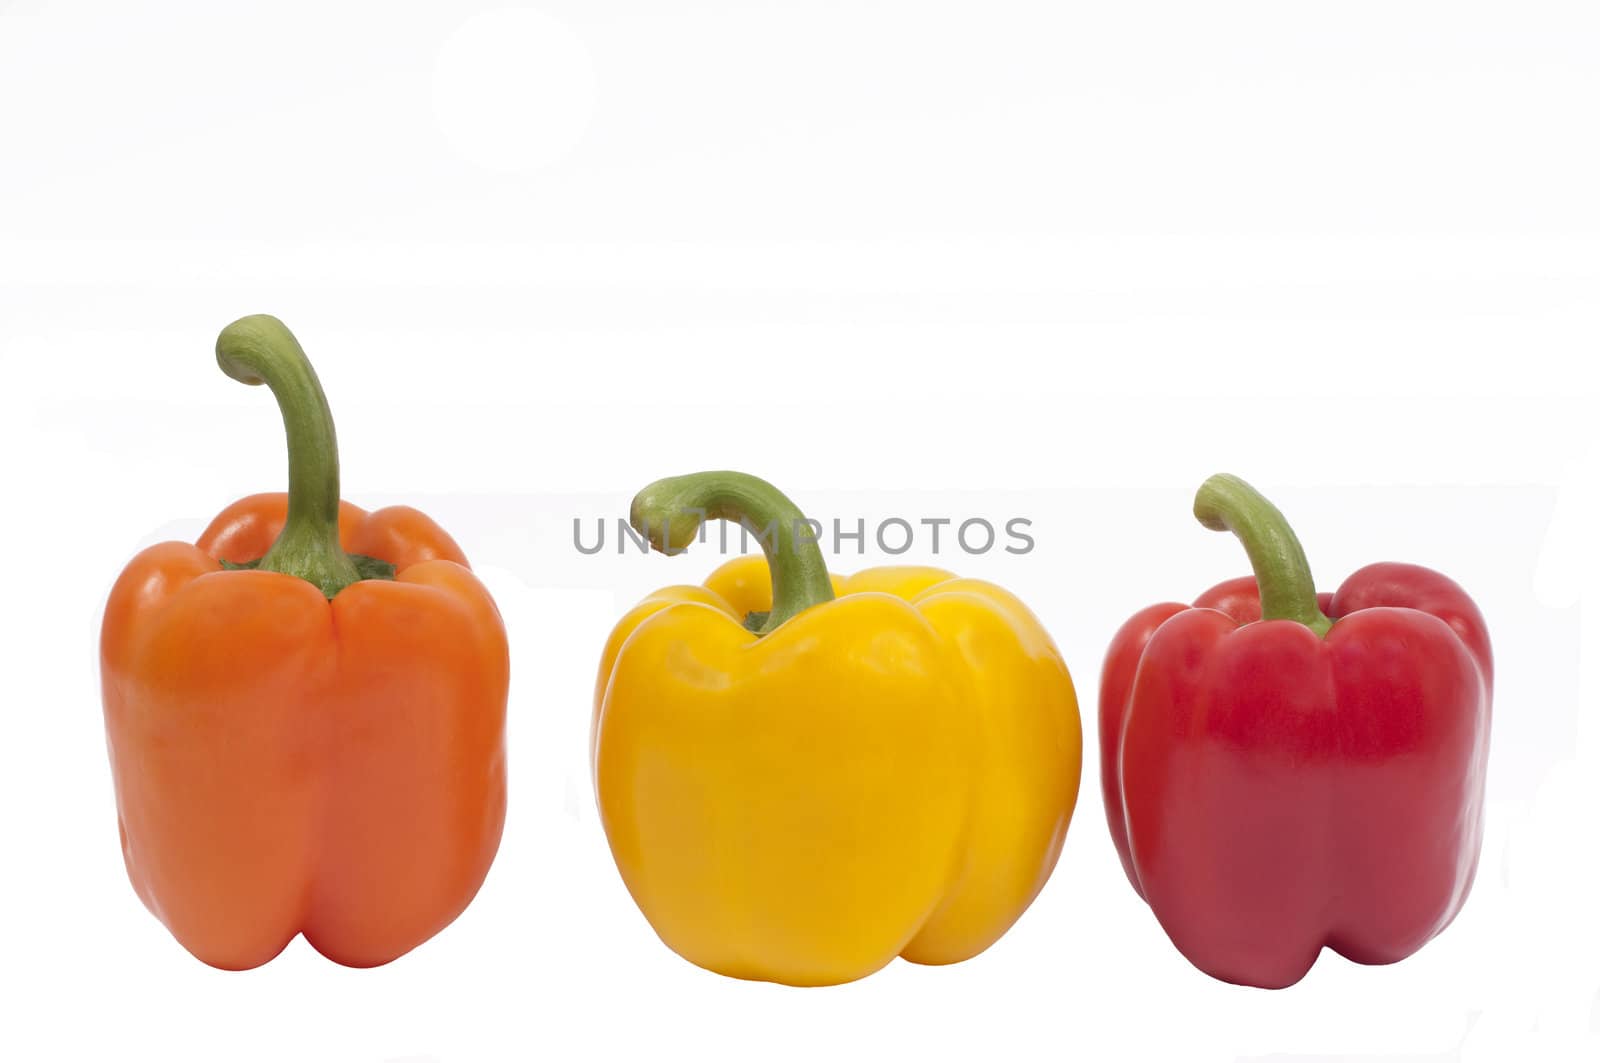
(513, 90)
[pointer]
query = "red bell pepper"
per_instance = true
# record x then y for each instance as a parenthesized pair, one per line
(1285, 771)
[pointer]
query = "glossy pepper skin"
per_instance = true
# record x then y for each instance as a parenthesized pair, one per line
(1312, 778)
(295, 756)
(885, 767)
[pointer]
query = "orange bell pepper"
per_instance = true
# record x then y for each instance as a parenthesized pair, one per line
(305, 710)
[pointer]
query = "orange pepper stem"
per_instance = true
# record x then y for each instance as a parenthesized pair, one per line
(1283, 576)
(260, 350)
(669, 514)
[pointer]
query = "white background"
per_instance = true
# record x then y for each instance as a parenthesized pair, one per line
(905, 259)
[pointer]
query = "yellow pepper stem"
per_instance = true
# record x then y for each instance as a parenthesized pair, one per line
(669, 514)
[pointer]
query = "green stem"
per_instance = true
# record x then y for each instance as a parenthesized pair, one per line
(260, 350)
(669, 513)
(1283, 576)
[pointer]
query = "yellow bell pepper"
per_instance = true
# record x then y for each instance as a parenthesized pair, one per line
(802, 776)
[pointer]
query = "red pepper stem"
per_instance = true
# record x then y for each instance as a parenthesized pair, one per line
(1283, 576)
(260, 350)
(669, 514)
